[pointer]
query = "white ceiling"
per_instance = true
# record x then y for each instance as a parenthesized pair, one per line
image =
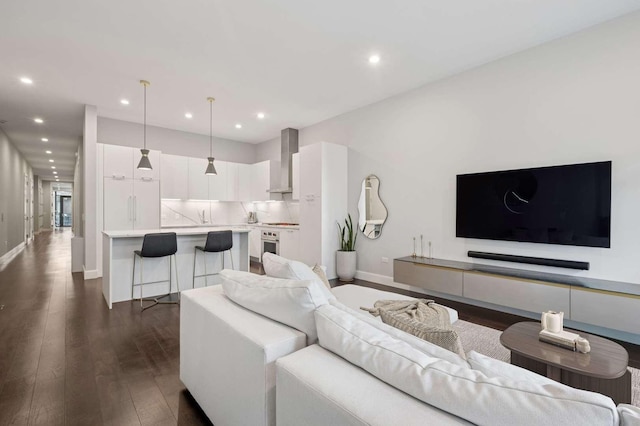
(299, 62)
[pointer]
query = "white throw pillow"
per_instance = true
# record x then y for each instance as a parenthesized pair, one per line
(280, 267)
(463, 392)
(423, 346)
(629, 415)
(492, 367)
(290, 302)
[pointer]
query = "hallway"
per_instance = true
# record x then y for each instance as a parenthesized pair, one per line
(66, 359)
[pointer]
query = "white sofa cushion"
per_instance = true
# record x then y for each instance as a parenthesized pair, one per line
(492, 367)
(281, 267)
(423, 346)
(629, 415)
(464, 392)
(290, 302)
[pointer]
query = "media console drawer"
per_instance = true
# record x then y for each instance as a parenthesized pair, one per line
(436, 278)
(606, 309)
(514, 293)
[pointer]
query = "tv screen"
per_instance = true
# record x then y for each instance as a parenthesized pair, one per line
(568, 205)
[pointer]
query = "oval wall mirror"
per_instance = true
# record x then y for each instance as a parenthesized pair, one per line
(372, 212)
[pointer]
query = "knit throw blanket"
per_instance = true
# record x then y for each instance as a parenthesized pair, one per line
(421, 317)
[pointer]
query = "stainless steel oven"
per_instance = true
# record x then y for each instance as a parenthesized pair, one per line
(270, 242)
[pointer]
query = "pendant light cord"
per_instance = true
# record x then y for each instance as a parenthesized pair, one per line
(210, 128)
(145, 116)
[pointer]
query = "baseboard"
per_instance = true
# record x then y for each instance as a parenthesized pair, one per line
(90, 274)
(374, 278)
(8, 256)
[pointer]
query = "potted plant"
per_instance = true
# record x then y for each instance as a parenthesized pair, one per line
(346, 256)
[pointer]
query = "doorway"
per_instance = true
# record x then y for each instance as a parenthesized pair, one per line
(65, 218)
(63, 204)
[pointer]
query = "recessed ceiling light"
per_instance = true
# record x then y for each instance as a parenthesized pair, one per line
(55, 173)
(188, 115)
(260, 115)
(57, 180)
(53, 167)
(38, 120)
(48, 152)
(238, 126)
(44, 140)
(51, 160)
(374, 59)
(26, 80)
(124, 101)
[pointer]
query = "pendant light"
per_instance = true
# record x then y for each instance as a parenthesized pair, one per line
(211, 170)
(144, 163)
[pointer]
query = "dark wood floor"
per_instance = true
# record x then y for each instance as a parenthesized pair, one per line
(66, 359)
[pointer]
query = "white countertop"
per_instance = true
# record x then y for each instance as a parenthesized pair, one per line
(198, 230)
(264, 225)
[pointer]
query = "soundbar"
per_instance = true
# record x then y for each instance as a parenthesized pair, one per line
(559, 263)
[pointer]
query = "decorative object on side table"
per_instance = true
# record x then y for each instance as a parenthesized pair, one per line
(346, 256)
(553, 332)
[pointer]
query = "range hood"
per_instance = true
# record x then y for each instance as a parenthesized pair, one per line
(288, 147)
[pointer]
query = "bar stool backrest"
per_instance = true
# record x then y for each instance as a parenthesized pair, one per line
(218, 241)
(159, 245)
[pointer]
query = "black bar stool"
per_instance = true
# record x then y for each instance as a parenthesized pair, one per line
(156, 245)
(217, 242)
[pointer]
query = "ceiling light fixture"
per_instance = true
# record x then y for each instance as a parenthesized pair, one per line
(26, 80)
(188, 115)
(44, 140)
(211, 170)
(48, 152)
(38, 120)
(50, 160)
(144, 163)
(374, 59)
(55, 173)
(238, 126)
(53, 167)
(124, 101)
(260, 115)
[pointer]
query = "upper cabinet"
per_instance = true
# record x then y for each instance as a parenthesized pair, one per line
(244, 182)
(120, 162)
(218, 182)
(174, 174)
(264, 177)
(198, 182)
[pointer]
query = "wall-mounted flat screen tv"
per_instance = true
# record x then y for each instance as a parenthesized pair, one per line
(569, 205)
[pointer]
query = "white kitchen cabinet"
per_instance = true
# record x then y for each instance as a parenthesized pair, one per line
(198, 185)
(174, 175)
(244, 182)
(255, 243)
(232, 182)
(289, 243)
(263, 178)
(118, 162)
(295, 176)
(118, 204)
(131, 204)
(121, 162)
(146, 204)
(218, 182)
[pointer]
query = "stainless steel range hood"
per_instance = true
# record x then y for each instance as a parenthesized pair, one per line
(288, 147)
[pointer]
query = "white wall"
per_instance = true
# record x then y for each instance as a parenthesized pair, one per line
(90, 188)
(46, 206)
(117, 132)
(13, 167)
(573, 100)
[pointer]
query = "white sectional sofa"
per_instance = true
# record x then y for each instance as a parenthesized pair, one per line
(246, 369)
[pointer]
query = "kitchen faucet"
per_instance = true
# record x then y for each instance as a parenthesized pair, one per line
(202, 217)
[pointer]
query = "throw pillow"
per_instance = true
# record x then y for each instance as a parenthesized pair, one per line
(321, 273)
(463, 392)
(280, 267)
(291, 302)
(422, 318)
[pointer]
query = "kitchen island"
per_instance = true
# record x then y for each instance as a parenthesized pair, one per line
(117, 258)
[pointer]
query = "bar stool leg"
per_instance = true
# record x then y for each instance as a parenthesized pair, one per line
(204, 255)
(141, 283)
(175, 261)
(133, 276)
(231, 255)
(195, 253)
(170, 274)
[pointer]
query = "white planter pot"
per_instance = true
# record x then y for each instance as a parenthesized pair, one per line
(346, 265)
